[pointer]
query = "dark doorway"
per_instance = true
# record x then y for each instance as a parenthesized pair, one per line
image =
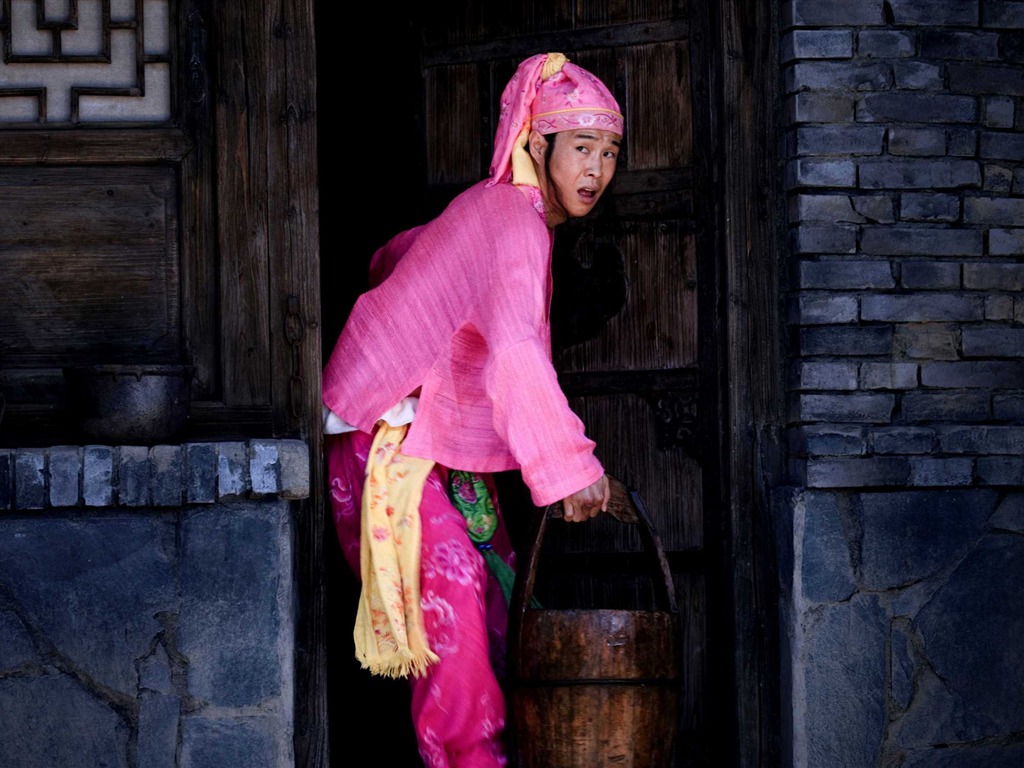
(404, 129)
(371, 181)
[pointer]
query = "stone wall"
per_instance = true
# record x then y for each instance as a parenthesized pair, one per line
(902, 548)
(146, 605)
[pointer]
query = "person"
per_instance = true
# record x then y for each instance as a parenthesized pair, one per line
(442, 375)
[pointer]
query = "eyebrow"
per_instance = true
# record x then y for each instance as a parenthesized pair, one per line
(595, 137)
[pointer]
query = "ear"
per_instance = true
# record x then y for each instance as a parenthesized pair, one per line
(538, 144)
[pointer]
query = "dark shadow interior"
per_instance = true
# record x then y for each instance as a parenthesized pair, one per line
(371, 177)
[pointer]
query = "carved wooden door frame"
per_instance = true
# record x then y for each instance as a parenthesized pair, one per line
(744, 86)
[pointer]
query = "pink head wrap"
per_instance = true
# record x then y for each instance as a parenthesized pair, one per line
(550, 94)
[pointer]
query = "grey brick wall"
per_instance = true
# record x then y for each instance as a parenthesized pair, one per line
(899, 545)
(905, 177)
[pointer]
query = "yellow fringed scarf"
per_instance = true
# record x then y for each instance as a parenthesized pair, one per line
(390, 638)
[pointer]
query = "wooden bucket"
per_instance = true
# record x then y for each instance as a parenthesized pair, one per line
(594, 687)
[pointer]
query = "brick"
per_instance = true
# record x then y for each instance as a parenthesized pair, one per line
(166, 475)
(831, 376)
(818, 107)
(876, 209)
(839, 275)
(994, 276)
(997, 112)
(830, 440)
(932, 14)
(886, 44)
(65, 468)
(917, 75)
(993, 145)
(930, 274)
(993, 210)
(200, 473)
(991, 374)
(842, 140)
(133, 476)
(997, 178)
(888, 375)
(1018, 181)
(1002, 14)
(921, 308)
(963, 142)
(834, 13)
(982, 439)
(6, 479)
(846, 341)
(264, 467)
(824, 238)
(858, 209)
(914, 173)
(1000, 470)
(993, 342)
(838, 76)
(858, 472)
(809, 172)
(999, 308)
(921, 241)
(929, 206)
(1009, 407)
(973, 46)
(958, 406)
(232, 471)
(903, 440)
(927, 341)
(985, 78)
(860, 407)
(913, 107)
(934, 472)
(98, 476)
(921, 142)
(29, 478)
(1011, 45)
(826, 309)
(295, 469)
(816, 44)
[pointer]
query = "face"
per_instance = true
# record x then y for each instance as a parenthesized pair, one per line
(580, 168)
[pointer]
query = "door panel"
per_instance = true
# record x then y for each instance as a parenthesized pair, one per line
(90, 258)
(656, 328)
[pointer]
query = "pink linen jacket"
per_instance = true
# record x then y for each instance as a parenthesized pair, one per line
(462, 312)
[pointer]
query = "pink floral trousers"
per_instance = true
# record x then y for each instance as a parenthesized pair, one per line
(458, 707)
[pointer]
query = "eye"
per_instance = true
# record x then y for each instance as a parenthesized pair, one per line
(583, 149)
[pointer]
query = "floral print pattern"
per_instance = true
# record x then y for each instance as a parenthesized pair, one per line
(458, 707)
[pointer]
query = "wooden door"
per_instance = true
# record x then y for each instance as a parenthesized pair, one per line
(676, 384)
(631, 291)
(677, 370)
(641, 366)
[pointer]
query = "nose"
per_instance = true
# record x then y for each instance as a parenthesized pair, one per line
(594, 165)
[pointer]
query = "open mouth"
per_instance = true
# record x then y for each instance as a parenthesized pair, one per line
(589, 195)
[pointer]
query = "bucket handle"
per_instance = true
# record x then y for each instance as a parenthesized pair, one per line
(625, 505)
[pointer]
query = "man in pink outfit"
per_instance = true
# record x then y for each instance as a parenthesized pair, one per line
(453, 344)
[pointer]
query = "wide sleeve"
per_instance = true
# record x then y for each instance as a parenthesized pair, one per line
(533, 416)
(531, 413)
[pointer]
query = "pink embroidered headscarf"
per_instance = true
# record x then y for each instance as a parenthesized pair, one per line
(551, 94)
